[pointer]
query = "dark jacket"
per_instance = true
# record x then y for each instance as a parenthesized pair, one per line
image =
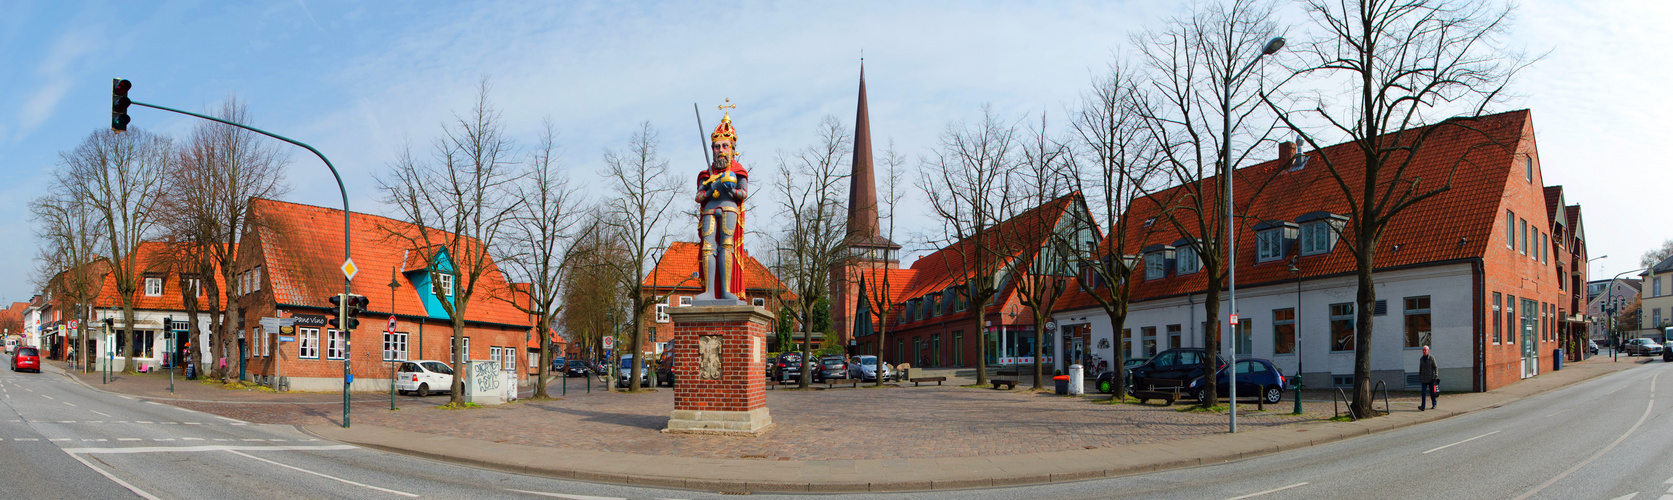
(1427, 373)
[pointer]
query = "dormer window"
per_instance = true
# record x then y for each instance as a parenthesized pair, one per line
(1155, 266)
(930, 304)
(153, 287)
(1272, 240)
(1319, 232)
(1185, 258)
(446, 281)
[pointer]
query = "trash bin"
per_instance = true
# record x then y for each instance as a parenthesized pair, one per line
(1062, 384)
(1667, 353)
(1557, 359)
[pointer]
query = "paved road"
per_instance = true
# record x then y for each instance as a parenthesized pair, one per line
(1598, 439)
(59, 439)
(1607, 438)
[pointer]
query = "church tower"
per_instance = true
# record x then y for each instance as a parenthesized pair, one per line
(869, 249)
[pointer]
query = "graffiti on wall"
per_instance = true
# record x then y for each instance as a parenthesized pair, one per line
(486, 376)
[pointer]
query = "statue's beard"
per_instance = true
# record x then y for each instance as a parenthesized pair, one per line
(722, 161)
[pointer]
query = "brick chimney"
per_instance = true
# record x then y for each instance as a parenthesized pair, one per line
(1286, 151)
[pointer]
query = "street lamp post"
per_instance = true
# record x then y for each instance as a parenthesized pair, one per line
(1272, 47)
(1614, 334)
(1295, 326)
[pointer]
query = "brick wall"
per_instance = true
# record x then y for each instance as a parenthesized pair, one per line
(1511, 272)
(740, 386)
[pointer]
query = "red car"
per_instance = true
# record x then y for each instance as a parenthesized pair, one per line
(26, 358)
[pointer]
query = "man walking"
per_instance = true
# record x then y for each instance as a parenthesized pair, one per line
(1426, 374)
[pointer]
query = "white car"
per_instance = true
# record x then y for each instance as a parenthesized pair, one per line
(423, 378)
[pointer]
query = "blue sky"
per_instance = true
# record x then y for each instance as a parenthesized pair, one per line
(357, 80)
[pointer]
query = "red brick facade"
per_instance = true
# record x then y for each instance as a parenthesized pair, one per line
(740, 386)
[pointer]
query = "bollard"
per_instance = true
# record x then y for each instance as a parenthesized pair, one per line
(1298, 396)
(1077, 380)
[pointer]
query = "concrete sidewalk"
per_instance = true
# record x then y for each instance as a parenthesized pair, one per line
(748, 475)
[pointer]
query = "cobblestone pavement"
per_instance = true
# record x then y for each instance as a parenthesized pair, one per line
(873, 423)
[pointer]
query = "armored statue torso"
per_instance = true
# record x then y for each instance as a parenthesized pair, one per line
(721, 190)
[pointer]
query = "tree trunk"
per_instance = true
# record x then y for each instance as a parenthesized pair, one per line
(1039, 347)
(636, 374)
(128, 334)
(882, 346)
(1367, 299)
(456, 391)
(981, 340)
(542, 327)
(807, 334)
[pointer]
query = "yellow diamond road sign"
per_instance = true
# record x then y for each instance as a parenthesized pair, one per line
(349, 269)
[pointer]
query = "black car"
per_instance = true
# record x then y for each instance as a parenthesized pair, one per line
(1255, 377)
(788, 366)
(1106, 380)
(577, 368)
(1181, 366)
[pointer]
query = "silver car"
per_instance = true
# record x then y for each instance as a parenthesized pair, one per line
(1642, 347)
(865, 368)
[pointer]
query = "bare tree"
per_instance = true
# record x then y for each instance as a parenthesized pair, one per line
(120, 176)
(455, 208)
(70, 265)
(876, 293)
(1040, 263)
(1655, 256)
(1412, 68)
(540, 244)
(1193, 63)
(1110, 137)
(963, 182)
(811, 184)
(591, 293)
(219, 169)
(639, 217)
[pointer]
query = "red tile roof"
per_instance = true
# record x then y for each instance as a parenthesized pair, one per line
(1452, 225)
(302, 246)
(680, 262)
(156, 259)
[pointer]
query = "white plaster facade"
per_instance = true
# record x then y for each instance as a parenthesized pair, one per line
(1449, 288)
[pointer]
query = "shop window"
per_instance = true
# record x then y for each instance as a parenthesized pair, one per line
(307, 343)
(394, 346)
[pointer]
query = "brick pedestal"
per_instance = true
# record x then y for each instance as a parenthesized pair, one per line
(718, 361)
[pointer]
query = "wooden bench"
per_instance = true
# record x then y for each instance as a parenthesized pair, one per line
(852, 382)
(919, 380)
(1170, 390)
(1007, 382)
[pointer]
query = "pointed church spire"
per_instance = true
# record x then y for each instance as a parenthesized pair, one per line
(862, 189)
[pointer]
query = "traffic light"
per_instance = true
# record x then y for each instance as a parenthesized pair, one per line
(357, 304)
(119, 104)
(336, 311)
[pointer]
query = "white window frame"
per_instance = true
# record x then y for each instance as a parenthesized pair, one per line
(255, 279)
(758, 302)
(450, 351)
(336, 345)
(534, 361)
(1269, 244)
(494, 355)
(153, 287)
(1155, 266)
(662, 313)
(685, 301)
(395, 346)
(307, 343)
(446, 283)
(1315, 237)
(1186, 260)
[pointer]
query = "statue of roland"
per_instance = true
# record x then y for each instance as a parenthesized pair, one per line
(721, 190)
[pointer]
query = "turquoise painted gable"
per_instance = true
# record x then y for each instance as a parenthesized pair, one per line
(421, 282)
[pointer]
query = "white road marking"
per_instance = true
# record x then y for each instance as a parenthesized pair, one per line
(69, 403)
(299, 469)
(48, 397)
(66, 421)
(1555, 414)
(129, 439)
(229, 419)
(191, 439)
(1461, 442)
(114, 479)
(141, 422)
(97, 411)
(163, 439)
(1627, 496)
(1274, 490)
(192, 423)
(1650, 405)
(25, 439)
(60, 439)
(584, 497)
(202, 448)
(255, 440)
